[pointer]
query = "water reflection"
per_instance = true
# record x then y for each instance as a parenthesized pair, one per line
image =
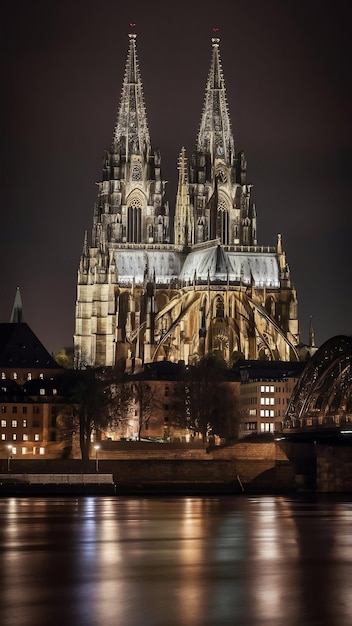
(175, 561)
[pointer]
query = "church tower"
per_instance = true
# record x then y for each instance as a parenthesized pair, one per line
(131, 205)
(219, 194)
(214, 290)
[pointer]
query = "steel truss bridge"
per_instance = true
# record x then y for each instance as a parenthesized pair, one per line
(321, 403)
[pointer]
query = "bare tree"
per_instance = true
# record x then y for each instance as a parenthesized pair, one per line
(97, 396)
(210, 400)
(144, 395)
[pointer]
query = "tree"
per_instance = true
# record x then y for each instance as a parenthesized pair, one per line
(144, 395)
(65, 358)
(211, 403)
(97, 396)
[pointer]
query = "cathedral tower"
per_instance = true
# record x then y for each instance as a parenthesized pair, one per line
(131, 205)
(214, 290)
(219, 194)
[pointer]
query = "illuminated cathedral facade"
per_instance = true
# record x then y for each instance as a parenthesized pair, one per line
(153, 288)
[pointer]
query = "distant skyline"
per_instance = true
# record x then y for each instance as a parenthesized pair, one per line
(287, 74)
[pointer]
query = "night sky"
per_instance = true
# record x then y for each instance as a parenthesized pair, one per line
(287, 67)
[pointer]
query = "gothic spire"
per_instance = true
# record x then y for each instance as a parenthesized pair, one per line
(131, 130)
(311, 334)
(17, 311)
(215, 135)
(184, 223)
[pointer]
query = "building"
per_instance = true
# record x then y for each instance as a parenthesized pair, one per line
(171, 402)
(31, 393)
(265, 393)
(151, 289)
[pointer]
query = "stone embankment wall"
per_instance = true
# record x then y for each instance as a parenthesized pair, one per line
(262, 467)
(334, 469)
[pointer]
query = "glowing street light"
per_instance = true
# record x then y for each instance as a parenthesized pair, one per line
(97, 448)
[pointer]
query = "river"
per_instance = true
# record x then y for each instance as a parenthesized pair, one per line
(176, 561)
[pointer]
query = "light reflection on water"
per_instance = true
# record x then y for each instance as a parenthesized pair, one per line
(183, 561)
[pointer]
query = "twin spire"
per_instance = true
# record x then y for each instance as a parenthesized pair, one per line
(215, 134)
(131, 130)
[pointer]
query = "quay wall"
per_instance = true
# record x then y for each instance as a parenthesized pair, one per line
(262, 467)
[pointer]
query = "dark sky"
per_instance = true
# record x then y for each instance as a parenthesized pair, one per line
(287, 67)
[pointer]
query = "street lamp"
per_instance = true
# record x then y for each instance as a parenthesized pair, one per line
(96, 448)
(9, 457)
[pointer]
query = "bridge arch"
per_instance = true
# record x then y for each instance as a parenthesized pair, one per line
(325, 386)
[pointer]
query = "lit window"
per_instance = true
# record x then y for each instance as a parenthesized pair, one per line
(14, 436)
(267, 400)
(14, 423)
(36, 437)
(41, 376)
(267, 428)
(271, 413)
(14, 451)
(3, 423)
(42, 392)
(272, 389)
(29, 376)
(24, 423)
(15, 375)
(3, 375)
(272, 401)
(3, 437)
(24, 437)
(262, 388)
(54, 392)
(41, 450)
(252, 411)
(262, 400)
(24, 450)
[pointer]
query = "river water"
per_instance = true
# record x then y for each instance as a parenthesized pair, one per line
(172, 561)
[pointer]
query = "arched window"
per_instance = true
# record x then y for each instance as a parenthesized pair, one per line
(134, 221)
(223, 223)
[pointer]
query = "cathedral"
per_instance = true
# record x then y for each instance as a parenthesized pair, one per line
(155, 284)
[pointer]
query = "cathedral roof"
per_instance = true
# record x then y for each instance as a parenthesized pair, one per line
(136, 264)
(20, 348)
(215, 135)
(216, 263)
(131, 131)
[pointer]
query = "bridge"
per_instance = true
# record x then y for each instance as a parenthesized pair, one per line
(320, 408)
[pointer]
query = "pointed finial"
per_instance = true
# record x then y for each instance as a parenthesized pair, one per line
(215, 40)
(279, 244)
(311, 334)
(17, 311)
(132, 35)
